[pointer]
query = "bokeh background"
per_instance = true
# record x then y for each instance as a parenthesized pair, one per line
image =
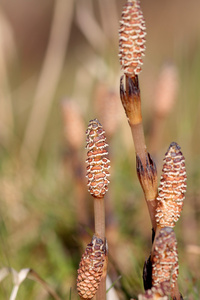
(59, 68)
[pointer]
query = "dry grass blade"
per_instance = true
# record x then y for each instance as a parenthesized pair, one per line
(110, 292)
(49, 77)
(74, 127)
(164, 101)
(7, 53)
(4, 272)
(193, 249)
(19, 277)
(107, 108)
(166, 90)
(89, 27)
(109, 24)
(74, 133)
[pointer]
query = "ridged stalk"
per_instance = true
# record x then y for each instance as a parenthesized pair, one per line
(146, 168)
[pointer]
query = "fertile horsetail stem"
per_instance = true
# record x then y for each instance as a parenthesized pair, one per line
(146, 168)
(171, 193)
(165, 265)
(98, 163)
(165, 258)
(91, 268)
(132, 34)
(97, 173)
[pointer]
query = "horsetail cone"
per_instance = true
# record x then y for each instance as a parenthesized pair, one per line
(165, 258)
(132, 34)
(98, 163)
(171, 192)
(91, 268)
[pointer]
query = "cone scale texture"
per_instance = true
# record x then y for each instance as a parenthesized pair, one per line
(91, 268)
(132, 34)
(98, 163)
(165, 258)
(171, 192)
(159, 292)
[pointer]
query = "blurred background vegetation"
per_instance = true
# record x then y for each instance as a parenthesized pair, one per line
(58, 69)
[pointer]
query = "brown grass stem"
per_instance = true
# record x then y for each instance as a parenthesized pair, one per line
(156, 135)
(88, 25)
(74, 133)
(109, 24)
(48, 80)
(165, 95)
(78, 174)
(6, 107)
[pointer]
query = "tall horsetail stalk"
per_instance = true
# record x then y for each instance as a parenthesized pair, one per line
(146, 168)
(166, 204)
(92, 271)
(132, 34)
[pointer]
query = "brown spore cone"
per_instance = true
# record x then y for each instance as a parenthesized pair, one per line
(97, 162)
(91, 268)
(165, 258)
(132, 34)
(171, 192)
